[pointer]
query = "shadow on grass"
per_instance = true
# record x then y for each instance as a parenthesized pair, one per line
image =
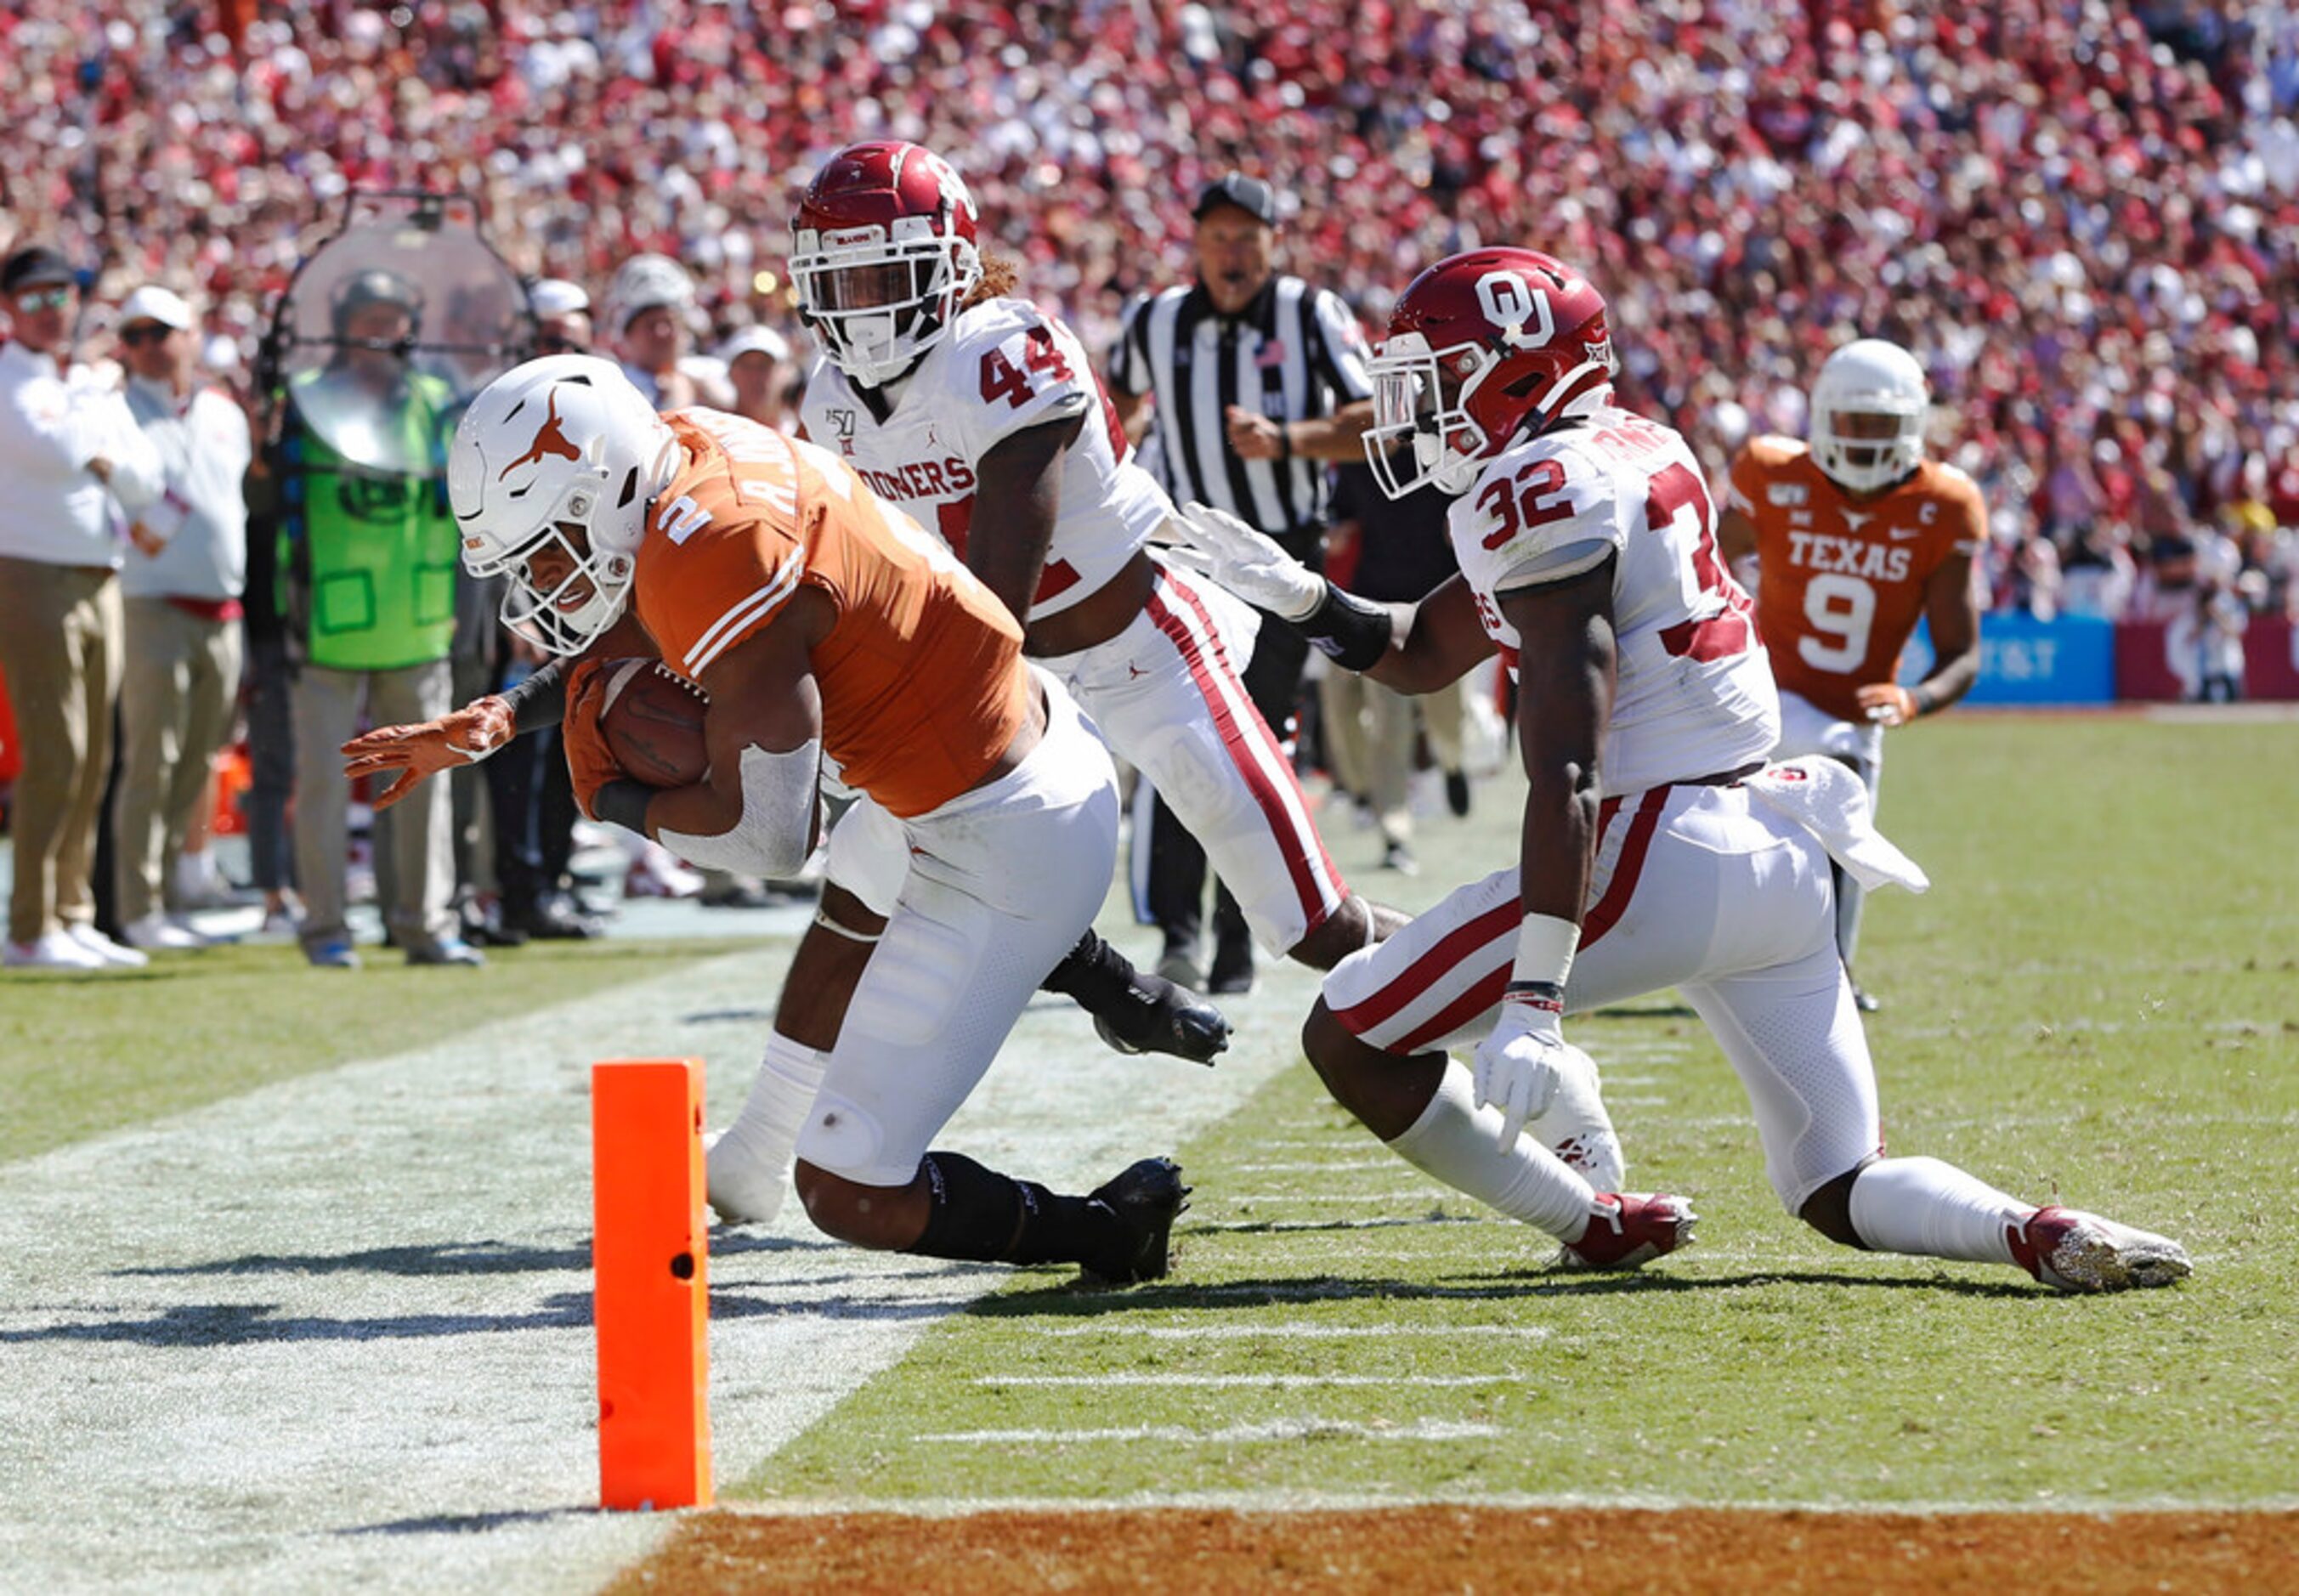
(451, 1257)
(471, 1523)
(1077, 1301)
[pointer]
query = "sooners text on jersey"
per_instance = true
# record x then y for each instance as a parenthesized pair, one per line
(1005, 366)
(1694, 696)
(921, 678)
(1843, 579)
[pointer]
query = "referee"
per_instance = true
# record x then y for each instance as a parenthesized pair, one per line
(1254, 380)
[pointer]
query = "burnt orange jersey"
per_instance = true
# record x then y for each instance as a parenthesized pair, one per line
(921, 676)
(1841, 580)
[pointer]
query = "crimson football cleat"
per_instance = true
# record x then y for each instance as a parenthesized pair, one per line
(1627, 1233)
(2072, 1251)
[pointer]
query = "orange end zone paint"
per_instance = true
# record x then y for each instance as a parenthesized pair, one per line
(650, 1252)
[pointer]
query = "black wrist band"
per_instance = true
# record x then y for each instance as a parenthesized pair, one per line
(1921, 697)
(1284, 441)
(1352, 632)
(624, 803)
(540, 699)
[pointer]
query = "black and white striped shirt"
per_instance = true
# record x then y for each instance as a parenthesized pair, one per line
(1294, 353)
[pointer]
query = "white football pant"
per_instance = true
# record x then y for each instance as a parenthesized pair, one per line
(1695, 887)
(996, 886)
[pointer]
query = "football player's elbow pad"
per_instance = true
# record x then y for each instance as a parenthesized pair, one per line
(775, 831)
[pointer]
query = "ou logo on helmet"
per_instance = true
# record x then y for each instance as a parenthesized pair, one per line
(1517, 308)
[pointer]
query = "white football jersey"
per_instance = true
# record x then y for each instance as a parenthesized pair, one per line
(1695, 695)
(1005, 365)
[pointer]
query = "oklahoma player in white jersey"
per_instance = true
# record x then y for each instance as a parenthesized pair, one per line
(1858, 537)
(980, 416)
(1658, 850)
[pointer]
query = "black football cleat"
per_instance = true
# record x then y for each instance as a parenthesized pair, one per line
(1158, 1017)
(1146, 1199)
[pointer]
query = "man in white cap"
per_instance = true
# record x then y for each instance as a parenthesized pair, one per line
(758, 362)
(180, 590)
(75, 464)
(648, 308)
(562, 316)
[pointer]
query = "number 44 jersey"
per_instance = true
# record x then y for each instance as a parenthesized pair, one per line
(1693, 693)
(1843, 579)
(1003, 367)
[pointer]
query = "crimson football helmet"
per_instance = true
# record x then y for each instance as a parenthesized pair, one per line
(881, 255)
(1482, 348)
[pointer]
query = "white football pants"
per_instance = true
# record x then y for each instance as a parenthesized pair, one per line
(1695, 887)
(994, 888)
(1807, 729)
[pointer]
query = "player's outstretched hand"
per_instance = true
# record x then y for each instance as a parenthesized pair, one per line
(1247, 563)
(409, 754)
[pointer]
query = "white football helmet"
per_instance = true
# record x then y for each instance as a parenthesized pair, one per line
(1869, 377)
(556, 447)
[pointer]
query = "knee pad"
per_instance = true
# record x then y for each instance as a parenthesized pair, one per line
(841, 1138)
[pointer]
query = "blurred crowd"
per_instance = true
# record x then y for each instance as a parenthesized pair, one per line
(2082, 216)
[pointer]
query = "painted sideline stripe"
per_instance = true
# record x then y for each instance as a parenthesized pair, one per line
(1291, 1381)
(1281, 1429)
(1292, 1331)
(1329, 1502)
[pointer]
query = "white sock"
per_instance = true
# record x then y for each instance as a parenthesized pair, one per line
(1459, 1143)
(750, 1164)
(1936, 1211)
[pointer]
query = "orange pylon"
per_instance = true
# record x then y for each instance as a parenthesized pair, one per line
(650, 1252)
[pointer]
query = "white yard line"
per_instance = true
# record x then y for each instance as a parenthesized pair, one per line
(1284, 1331)
(335, 1333)
(1287, 1382)
(1281, 1429)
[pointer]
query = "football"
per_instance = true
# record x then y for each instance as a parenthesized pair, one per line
(652, 722)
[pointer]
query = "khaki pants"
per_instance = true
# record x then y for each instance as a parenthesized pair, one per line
(1369, 736)
(176, 697)
(60, 646)
(420, 868)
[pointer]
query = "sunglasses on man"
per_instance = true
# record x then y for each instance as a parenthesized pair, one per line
(43, 299)
(145, 332)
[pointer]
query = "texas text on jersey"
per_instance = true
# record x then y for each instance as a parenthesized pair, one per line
(1844, 579)
(1693, 695)
(1004, 366)
(921, 682)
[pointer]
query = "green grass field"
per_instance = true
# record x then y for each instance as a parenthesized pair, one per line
(2097, 1001)
(295, 1292)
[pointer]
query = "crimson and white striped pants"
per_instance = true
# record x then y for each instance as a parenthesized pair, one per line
(1166, 695)
(1698, 888)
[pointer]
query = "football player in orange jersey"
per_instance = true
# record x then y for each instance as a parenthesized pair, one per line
(828, 631)
(1857, 537)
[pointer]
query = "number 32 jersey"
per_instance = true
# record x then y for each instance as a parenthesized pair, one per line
(1693, 693)
(1844, 579)
(1004, 366)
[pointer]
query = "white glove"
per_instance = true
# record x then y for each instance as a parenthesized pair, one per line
(1518, 1067)
(1247, 563)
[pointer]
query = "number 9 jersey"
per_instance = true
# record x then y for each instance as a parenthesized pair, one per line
(1843, 578)
(1693, 695)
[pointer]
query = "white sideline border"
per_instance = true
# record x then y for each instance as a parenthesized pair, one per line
(422, 1221)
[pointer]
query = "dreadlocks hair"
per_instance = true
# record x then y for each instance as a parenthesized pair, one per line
(999, 279)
